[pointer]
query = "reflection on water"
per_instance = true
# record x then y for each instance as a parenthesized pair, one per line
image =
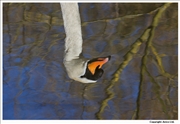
(140, 81)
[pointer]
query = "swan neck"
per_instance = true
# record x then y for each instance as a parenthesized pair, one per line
(72, 26)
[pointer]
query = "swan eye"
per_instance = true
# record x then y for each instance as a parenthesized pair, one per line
(98, 73)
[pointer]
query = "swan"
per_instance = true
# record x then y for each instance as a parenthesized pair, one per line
(78, 68)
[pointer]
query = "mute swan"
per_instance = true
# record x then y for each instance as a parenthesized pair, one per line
(77, 67)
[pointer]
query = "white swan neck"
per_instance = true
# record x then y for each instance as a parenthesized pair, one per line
(72, 26)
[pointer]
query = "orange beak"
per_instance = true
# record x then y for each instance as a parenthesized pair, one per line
(97, 62)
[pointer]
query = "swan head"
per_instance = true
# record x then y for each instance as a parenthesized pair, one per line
(86, 71)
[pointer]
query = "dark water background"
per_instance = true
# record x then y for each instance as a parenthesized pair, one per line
(140, 81)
